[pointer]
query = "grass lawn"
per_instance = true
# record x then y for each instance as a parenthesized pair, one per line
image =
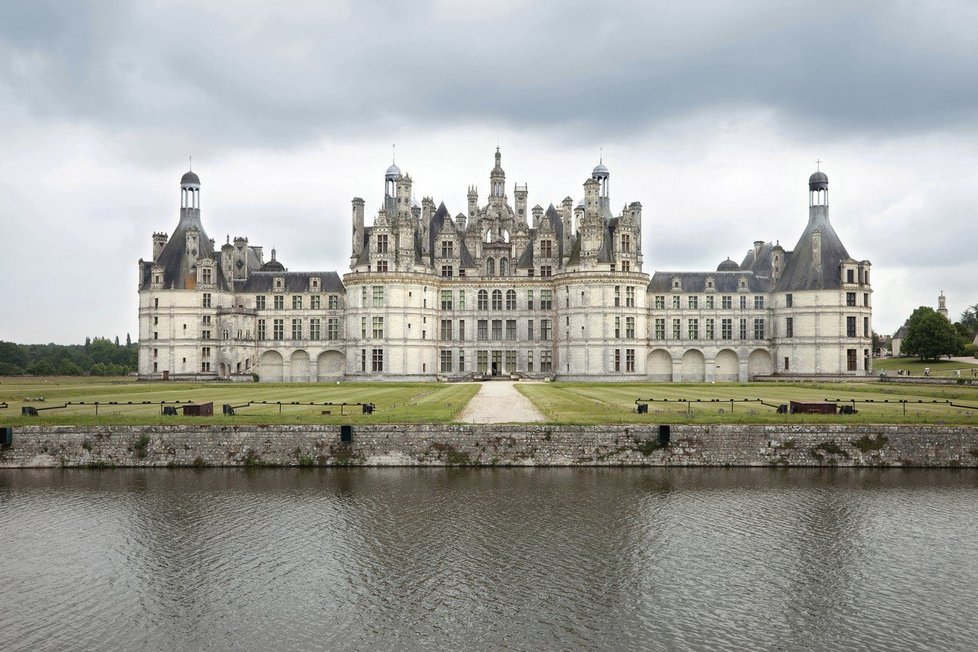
(395, 402)
(916, 367)
(595, 403)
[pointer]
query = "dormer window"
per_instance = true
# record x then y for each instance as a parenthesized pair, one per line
(314, 283)
(743, 283)
(709, 283)
(279, 283)
(676, 285)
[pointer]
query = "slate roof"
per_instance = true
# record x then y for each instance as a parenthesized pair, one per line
(723, 282)
(175, 261)
(294, 281)
(802, 271)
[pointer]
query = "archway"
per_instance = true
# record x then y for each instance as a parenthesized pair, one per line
(270, 369)
(659, 366)
(300, 367)
(330, 365)
(759, 363)
(728, 366)
(693, 366)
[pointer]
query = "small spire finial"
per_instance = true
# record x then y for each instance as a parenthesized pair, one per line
(393, 153)
(818, 165)
(601, 155)
(191, 158)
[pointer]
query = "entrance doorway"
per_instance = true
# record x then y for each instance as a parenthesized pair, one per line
(497, 362)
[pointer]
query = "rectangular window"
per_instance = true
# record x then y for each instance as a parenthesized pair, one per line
(850, 278)
(510, 361)
(279, 302)
(497, 300)
(758, 302)
(529, 329)
(378, 328)
(261, 329)
(205, 352)
(446, 360)
(546, 249)
(296, 302)
(278, 329)
(630, 327)
(529, 361)
(482, 333)
(205, 366)
(363, 359)
(758, 329)
(297, 329)
(726, 302)
(788, 299)
(617, 360)
(381, 244)
(446, 300)
(497, 329)
(629, 360)
(483, 300)
(447, 249)
(334, 302)
(694, 302)
(676, 301)
(660, 302)
(260, 302)
(315, 302)
(743, 329)
(446, 329)
(850, 298)
(333, 328)
(677, 329)
(510, 329)
(789, 327)
(447, 271)
(529, 299)
(866, 299)
(377, 359)
(461, 361)
(461, 299)
(626, 243)
(851, 358)
(207, 299)
(378, 296)
(743, 302)
(617, 327)
(546, 300)
(546, 270)
(315, 329)
(726, 329)
(510, 299)
(206, 319)
(546, 361)
(630, 297)
(363, 328)
(482, 361)
(617, 295)
(461, 329)
(865, 326)
(709, 302)
(710, 329)
(850, 326)
(660, 329)
(205, 335)
(546, 329)
(693, 328)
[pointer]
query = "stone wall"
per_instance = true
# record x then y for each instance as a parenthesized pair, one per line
(521, 445)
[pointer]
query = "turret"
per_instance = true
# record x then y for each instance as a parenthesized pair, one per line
(473, 203)
(537, 214)
(159, 241)
(497, 179)
(358, 227)
(520, 192)
(818, 197)
(777, 262)
(567, 217)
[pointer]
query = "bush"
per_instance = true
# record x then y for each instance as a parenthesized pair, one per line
(971, 349)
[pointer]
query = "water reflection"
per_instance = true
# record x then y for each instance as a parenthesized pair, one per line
(704, 559)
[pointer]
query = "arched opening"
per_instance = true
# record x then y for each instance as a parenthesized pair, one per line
(506, 236)
(270, 369)
(659, 366)
(728, 366)
(759, 363)
(504, 267)
(693, 367)
(490, 267)
(300, 367)
(330, 365)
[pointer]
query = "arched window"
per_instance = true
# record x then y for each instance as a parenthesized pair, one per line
(490, 267)
(504, 267)
(483, 300)
(497, 299)
(510, 299)
(505, 236)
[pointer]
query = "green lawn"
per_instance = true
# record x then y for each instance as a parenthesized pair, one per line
(395, 402)
(597, 403)
(916, 367)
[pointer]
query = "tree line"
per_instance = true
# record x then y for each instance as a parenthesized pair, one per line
(931, 335)
(98, 356)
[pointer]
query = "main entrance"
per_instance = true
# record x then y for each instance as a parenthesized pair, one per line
(497, 363)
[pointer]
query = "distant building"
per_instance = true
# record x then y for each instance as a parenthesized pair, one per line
(901, 333)
(501, 288)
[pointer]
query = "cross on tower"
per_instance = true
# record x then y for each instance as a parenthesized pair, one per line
(818, 163)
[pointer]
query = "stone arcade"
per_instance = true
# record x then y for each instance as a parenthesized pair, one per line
(501, 289)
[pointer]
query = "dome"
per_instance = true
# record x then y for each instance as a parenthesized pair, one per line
(818, 181)
(728, 266)
(273, 266)
(600, 171)
(393, 172)
(189, 178)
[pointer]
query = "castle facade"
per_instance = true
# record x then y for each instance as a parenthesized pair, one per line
(501, 289)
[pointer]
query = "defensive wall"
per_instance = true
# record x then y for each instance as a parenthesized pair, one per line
(489, 445)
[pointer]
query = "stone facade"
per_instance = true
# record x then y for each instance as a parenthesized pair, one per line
(491, 445)
(502, 289)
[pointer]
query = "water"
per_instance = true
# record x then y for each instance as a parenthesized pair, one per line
(662, 559)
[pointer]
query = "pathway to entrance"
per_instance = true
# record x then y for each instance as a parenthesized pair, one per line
(498, 402)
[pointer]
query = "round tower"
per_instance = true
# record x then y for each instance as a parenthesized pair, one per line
(818, 189)
(190, 190)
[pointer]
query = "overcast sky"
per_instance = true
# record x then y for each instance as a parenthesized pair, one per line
(711, 114)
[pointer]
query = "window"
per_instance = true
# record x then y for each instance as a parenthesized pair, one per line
(205, 275)
(490, 267)
(677, 329)
(156, 303)
(726, 302)
(315, 329)
(625, 266)
(446, 300)
(205, 335)
(447, 271)
(617, 295)
(510, 329)
(865, 326)
(261, 329)
(660, 302)
(617, 327)
(850, 278)
(497, 299)
(447, 250)
(315, 302)
(851, 359)
(461, 299)
(483, 300)
(482, 330)
(279, 302)
(546, 249)
(205, 366)
(378, 328)
(866, 299)
(743, 329)
(511, 361)
(626, 243)
(377, 360)
(207, 299)
(546, 361)
(630, 327)
(278, 329)
(381, 244)
(333, 328)
(789, 327)
(529, 361)
(676, 301)
(850, 326)
(363, 359)
(546, 300)
(850, 298)
(529, 329)
(297, 302)
(787, 363)
(546, 270)
(205, 352)
(378, 296)
(693, 329)
(510, 299)
(497, 329)
(363, 328)
(446, 329)
(788, 299)
(546, 329)
(617, 360)
(694, 302)
(260, 302)
(629, 360)
(297, 329)
(758, 302)
(630, 297)
(461, 330)
(529, 299)
(726, 329)
(334, 302)
(446, 359)
(710, 330)
(660, 329)
(709, 302)
(743, 302)
(206, 319)
(461, 360)
(758, 329)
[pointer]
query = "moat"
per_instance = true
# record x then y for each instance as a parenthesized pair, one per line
(658, 558)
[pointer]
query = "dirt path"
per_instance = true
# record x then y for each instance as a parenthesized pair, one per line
(498, 402)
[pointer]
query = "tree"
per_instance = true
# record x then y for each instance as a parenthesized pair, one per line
(128, 340)
(930, 335)
(69, 368)
(969, 319)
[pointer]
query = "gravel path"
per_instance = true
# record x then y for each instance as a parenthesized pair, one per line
(498, 402)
